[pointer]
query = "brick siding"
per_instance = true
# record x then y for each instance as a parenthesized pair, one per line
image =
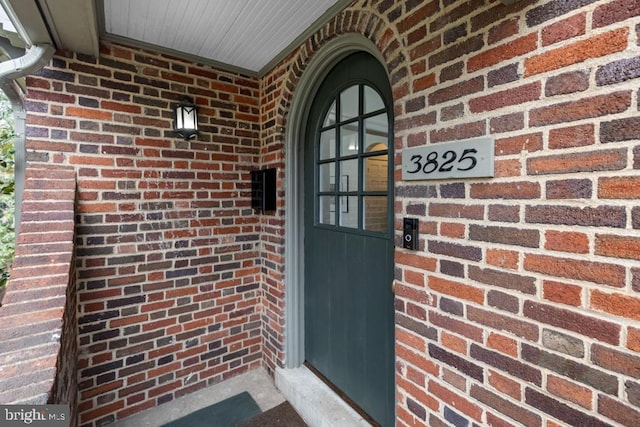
(521, 306)
(39, 329)
(168, 248)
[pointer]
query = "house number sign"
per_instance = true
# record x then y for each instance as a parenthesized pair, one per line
(472, 158)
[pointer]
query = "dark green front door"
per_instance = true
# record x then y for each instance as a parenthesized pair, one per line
(349, 235)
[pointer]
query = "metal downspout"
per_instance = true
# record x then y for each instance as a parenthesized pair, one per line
(36, 58)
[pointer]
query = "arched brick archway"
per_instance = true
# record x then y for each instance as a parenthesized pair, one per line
(348, 32)
(379, 37)
(360, 27)
(298, 79)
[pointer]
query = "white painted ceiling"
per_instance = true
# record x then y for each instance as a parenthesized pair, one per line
(242, 34)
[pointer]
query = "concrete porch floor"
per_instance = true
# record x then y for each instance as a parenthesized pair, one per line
(316, 403)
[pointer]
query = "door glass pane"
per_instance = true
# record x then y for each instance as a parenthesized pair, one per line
(327, 178)
(372, 101)
(376, 133)
(349, 103)
(330, 118)
(348, 175)
(328, 144)
(351, 190)
(375, 173)
(327, 206)
(349, 139)
(348, 211)
(375, 213)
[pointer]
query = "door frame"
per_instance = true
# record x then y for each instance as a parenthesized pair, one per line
(323, 61)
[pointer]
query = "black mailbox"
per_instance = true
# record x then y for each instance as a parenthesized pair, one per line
(263, 189)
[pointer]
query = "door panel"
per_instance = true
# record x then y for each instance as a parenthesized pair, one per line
(349, 235)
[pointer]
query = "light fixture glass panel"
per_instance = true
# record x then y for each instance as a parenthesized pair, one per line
(330, 118)
(349, 103)
(327, 179)
(376, 133)
(376, 173)
(189, 118)
(328, 144)
(374, 215)
(372, 100)
(327, 207)
(349, 139)
(179, 118)
(348, 211)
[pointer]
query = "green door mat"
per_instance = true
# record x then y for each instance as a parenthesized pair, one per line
(228, 413)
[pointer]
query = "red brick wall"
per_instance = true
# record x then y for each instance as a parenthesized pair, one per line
(273, 155)
(168, 248)
(522, 304)
(39, 330)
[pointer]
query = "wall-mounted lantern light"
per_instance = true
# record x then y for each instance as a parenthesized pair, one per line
(185, 119)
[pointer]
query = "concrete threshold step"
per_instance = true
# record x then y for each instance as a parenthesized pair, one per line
(315, 401)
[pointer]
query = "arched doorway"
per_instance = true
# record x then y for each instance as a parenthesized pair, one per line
(348, 235)
(306, 89)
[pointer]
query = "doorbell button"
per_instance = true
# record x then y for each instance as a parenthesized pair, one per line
(410, 236)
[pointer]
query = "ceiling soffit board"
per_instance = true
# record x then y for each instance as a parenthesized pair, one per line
(241, 36)
(69, 25)
(26, 17)
(73, 24)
